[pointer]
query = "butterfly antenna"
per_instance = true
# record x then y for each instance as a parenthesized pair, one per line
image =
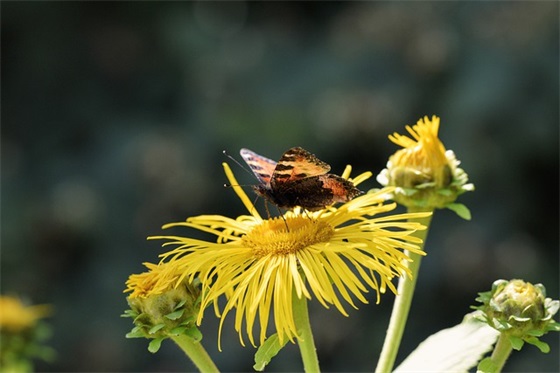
(226, 185)
(239, 164)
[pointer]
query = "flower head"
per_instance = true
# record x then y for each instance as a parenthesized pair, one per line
(161, 306)
(520, 310)
(156, 281)
(16, 317)
(334, 255)
(424, 173)
(22, 334)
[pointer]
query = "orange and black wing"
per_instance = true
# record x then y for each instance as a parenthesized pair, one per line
(262, 167)
(296, 164)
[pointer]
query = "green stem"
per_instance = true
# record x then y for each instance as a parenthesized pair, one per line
(196, 353)
(305, 340)
(501, 352)
(401, 307)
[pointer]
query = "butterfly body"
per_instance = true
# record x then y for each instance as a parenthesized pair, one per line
(298, 179)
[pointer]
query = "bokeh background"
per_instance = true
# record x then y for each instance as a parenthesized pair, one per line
(115, 115)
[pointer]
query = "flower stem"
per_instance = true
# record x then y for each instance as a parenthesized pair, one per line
(401, 307)
(196, 353)
(501, 352)
(305, 340)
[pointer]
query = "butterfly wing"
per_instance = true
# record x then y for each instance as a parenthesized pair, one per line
(315, 192)
(296, 164)
(262, 167)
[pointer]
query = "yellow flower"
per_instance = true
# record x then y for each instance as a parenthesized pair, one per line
(160, 306)
(15, 316)
(156, 281)
(334, 255)
(425, 174)
(22, 334)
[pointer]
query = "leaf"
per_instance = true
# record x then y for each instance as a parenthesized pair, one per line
(544, 347)
(445, 192)
(516, 343)
(175, 315)
(456, 349)
(461, 210)
(267, 351)
(487, 366)
(154, 345)
(553, 327)
(129, 313)
(178, 330)
(180, 304)
(194, 333)
(501, 325)
(156, 328)
(187, 320)
(535, 333)
(136, 332)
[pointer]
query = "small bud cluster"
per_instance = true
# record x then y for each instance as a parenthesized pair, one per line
(22, 335)
(425, 174)
(160, 316)
(520, 310)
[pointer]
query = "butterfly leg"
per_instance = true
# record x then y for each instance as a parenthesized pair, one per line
(266, 208)
(306, 214)
(283, 218)
(254, 203)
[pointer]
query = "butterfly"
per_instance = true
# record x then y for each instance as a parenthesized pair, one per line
(298, 179)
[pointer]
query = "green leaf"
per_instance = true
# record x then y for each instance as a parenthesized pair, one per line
(544, 347)
(535, 333)
(502, 324)
(553, 327)
(267, 351)
(188, 320)
(129, 313)
(516, 342)
(180, 304)
(136, 332)
(408, 191)
(194, 333)
(461, 210)
(154, 345)
(486, 365)
(156, 328)
(456, 349)
(176, 314)
(445, 192)
(178, 330)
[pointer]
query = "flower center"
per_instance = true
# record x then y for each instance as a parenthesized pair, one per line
(419, 165)
(281, 237)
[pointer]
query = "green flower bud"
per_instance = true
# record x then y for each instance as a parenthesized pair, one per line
(159, 308)
(426, 175)
(519, 301)
(520, 310)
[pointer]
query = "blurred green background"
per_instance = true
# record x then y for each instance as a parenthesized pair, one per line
(115, 115)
